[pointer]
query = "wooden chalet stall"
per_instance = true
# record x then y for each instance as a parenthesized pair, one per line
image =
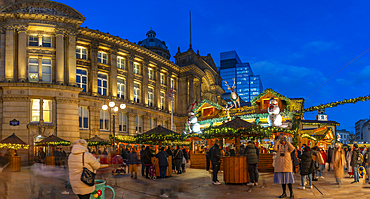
(212, 115)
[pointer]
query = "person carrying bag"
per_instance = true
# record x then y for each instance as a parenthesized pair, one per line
(82, 167)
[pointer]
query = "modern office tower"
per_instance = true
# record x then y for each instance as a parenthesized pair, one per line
(247, 84)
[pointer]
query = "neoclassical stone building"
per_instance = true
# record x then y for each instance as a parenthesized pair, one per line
(55, 76)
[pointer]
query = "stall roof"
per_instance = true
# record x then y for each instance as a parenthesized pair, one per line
(315, 122)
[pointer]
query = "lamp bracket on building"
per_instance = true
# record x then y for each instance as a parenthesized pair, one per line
(14, 122)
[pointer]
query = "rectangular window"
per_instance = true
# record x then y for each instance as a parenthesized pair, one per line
(139, 124)
(102, 84)
(33, 40)
(136, 68)
(81, 52)
(81, 79)
(47, 111)
(104, 120)
(121, 88)
(83, 115)
(137, 92)
(165, 124)
(46, 41)
(150, 97)
(121, 63)
(35, 112)
(150, 73)
(162, 78)
(33, 69)
(46, 70)
(172, 83)
(102, 57)
(162, 100)
(122, 122)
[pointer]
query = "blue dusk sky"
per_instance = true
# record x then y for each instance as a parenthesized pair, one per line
(295, 46)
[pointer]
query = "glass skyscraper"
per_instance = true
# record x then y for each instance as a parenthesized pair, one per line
(247, 85)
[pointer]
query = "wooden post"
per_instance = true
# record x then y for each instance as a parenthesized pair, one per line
(237, 146)
(160, 144)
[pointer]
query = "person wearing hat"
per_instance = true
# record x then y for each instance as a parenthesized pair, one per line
(215, 157)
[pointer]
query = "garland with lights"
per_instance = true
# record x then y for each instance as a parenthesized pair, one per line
(334, 104)
(14, 146)
(59, 143)
(278, 95)
(99, 143)
(125, 138)
(159, 137)
(196, 109)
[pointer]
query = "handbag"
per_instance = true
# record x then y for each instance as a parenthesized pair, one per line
(87, 176)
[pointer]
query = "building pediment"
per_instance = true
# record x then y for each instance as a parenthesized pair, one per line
(42, 8)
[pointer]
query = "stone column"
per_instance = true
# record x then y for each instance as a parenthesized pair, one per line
(71, 59)
(59, 34)
(191, 90)
(131, 122)
(130, 78)
(169, 99)
(2, 55)
(93, 75)
(22, 55)
(157, 99)
(41, 109)
(113, 73)
(9, 54)
(199, 91)
(144, 86)
(182, 96)
(40, 68)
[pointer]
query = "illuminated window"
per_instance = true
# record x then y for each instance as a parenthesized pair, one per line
(162, 100)
(46, 41)
(150, 73)
(33, 40)
(162, 78)
(139, 124)
(153, 123)
(172, 83)
(102, 57)
(137, 92)
(104, 120)
(81, 79)
(36, 111)
(81, 52)
(83, 115)
(46, 70)
(121, 63)
(150, 96)
(122, 122)
(136, 68)
(121, 88)
(33, 69)
(102, 84)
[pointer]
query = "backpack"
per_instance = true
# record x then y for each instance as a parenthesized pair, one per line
(360, 158)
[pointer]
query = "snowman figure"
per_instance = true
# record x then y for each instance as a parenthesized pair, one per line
(193, 124)
(274, 118)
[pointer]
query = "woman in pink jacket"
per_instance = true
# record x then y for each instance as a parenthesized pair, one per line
(75, 167)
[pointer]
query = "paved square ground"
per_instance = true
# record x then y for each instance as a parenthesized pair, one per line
(48, 182)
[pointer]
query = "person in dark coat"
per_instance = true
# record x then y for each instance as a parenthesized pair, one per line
(355, 162)
(208, 160)
(163, 163)
(132, 162)
(147, 156)
(329, 157)
(169, 151)
(185, 159)
(142, 160)
(42, 156)
(57, 157)
(177, 157)
(307, 167)
(367, 162)
(215, 158)
(252, 160)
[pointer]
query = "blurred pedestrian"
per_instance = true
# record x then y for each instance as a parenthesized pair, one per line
(41, 156)
(329, 156)
(142, 160)
(147, 156)
(215, 158)
(283, 170)
(252, 160)
(79, 158)
(163, 163)
(178, 155)
(348, 159)
(322, 165)
(307, 167)
(355, 162)
(185, 159)
(57, 157)
(338, 162)
(132, 162)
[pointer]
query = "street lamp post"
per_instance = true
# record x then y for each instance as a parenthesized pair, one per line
(113, 111)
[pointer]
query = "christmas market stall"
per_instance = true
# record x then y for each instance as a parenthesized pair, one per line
(321, 137)
(13, 143)
(158, 136)
(96, 142)
(52, 142)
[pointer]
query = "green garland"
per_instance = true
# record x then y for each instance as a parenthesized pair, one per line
(100, 143)
(287, 100)
(125, 138)
(196, 109)
(158, 137)
(334, 104)
(59, 143)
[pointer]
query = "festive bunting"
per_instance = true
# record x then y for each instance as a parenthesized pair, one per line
(334, 104)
